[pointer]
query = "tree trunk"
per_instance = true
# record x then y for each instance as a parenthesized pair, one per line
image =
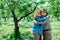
(16, 25)
(17, 34)
(5, 18)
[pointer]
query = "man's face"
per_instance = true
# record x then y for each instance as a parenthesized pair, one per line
(44, 13)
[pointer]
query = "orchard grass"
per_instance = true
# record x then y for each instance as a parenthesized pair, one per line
(25, 29)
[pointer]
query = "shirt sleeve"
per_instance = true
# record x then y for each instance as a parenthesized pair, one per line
(41, 19)
(41, 22)
(36, 22)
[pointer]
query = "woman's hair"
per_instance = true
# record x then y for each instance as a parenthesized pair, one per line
(37, 13)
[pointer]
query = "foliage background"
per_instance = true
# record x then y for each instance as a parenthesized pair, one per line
(23, 7)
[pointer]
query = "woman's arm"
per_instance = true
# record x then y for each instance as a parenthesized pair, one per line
(37, 22)
(40, 22)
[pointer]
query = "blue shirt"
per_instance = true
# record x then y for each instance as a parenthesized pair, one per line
(38, 28)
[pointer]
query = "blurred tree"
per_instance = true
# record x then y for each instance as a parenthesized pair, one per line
(54, 8)
(19, 9)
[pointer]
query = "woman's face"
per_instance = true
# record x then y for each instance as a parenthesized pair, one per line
(39, 14)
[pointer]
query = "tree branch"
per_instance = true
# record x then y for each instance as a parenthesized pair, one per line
(27, 14)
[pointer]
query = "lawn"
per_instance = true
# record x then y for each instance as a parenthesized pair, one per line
(6, 29)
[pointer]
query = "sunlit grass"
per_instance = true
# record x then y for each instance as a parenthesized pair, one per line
(26, 30)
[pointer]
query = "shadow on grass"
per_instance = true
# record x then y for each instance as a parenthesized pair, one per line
(23, 36)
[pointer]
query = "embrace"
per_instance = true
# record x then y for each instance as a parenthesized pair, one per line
(42, 25)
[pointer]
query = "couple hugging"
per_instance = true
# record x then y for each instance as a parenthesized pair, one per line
(42, 25)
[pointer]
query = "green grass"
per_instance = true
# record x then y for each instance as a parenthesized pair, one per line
(26, 30)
